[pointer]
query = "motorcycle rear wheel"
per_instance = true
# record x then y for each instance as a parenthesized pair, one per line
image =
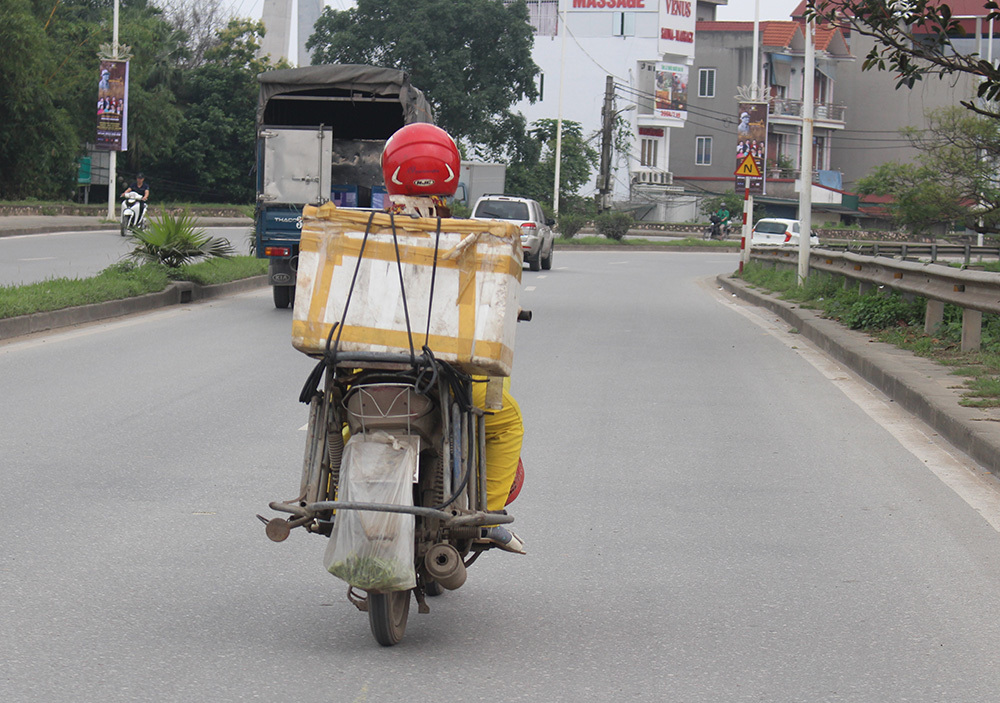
(387, 613)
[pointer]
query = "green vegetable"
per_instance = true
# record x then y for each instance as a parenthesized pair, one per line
(373, 573)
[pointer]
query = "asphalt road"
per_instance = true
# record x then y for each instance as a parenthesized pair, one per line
(712, 514)
(29, 258)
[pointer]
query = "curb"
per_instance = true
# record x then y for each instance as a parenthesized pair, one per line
(110, 227)
(178, 293)
(907, 379)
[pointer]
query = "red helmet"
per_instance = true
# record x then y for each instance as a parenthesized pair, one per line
(420, 159)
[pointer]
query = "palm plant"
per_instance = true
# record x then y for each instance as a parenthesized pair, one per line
(175, 240)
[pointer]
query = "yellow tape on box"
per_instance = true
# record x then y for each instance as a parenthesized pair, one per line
(472, 308)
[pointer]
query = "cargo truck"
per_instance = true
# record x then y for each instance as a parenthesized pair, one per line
(479, 178)
(320, 134)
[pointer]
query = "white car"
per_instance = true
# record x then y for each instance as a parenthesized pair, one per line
(537, 240)
(775, 230)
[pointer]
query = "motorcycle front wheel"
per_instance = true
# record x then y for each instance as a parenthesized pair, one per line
(124, 224)
(387, 613)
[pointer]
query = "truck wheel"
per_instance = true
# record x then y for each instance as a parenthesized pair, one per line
(282, 296)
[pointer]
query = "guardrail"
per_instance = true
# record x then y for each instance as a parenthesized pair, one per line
(975, 292)
(913, 250)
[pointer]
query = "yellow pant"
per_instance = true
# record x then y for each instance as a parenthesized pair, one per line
(504, 433)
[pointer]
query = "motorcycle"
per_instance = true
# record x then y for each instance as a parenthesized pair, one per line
(394, 474)
(133, 213)
(718, 229)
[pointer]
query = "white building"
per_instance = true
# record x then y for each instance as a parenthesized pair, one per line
(277, 16)
(647, 47)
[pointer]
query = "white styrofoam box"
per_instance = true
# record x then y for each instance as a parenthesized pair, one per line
(473, 266)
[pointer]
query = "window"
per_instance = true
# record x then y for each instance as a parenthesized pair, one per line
(543, 16)
(706, 83)
(703, 151)
(647, 156)
(623, 24)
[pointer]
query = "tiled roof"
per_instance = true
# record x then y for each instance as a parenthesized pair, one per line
(778, 33)
(704, 26)
(823, 36)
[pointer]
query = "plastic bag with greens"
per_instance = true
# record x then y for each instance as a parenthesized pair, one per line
(368, 549)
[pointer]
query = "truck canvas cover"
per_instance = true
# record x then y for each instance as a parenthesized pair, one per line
(352, 78)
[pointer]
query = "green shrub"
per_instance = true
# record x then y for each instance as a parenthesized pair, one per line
(877, 311)
(613, 225)
(176, 240)
(569, 224)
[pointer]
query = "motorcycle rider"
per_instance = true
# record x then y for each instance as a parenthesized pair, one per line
(139, 185)
(421, 165)
(716, 225)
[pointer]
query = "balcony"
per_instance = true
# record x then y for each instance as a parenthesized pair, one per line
(830, 114)
(652, 178)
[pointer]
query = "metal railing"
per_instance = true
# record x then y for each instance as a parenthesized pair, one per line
(825, 112)
(975, 292)
(966, 251)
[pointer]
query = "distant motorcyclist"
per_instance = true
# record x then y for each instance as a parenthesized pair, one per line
(716, 222)
(139, 185)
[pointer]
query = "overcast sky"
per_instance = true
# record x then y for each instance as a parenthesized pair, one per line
(769, 10)
(736, 10)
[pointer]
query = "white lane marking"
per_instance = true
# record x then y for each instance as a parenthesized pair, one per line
(976, 486)
(541, 276)
(529, 288)
(40, 258)
(304, 427)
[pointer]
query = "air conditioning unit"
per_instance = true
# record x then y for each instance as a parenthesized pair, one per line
(659, 178)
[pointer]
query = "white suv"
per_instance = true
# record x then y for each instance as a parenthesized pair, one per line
(537, 240)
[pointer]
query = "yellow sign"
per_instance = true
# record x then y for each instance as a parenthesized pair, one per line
(748, 167)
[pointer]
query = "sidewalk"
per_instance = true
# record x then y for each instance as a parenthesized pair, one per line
(921, 386)
(11, 225)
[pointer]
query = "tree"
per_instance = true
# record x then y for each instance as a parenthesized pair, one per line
(914, 39)
(533, 174)
(954, 179)
(472, 58)
(214, 150)
(38, 146)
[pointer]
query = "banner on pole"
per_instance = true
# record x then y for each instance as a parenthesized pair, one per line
(112, 106)
(751, 141)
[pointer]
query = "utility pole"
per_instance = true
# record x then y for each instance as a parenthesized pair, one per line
(607, 123)
(805, 193)
(562, 71)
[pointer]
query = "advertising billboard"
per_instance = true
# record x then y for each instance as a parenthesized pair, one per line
(671, 91)
(112, 106)
(677, 20)
(751, 139)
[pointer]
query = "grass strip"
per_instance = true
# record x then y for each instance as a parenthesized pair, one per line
(898, 320)
(119, 281)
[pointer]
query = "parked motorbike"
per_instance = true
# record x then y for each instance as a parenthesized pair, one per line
(403, 499)
(133, 213)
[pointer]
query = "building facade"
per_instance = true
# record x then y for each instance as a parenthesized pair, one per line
(646, 47)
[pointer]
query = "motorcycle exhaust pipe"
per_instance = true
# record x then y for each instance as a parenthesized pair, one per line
(445, 565)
